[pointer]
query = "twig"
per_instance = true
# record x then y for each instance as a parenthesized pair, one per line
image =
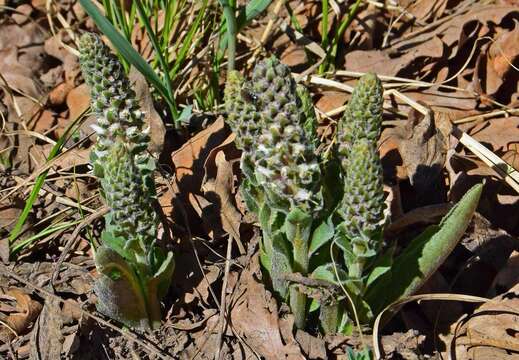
(72, 240)
(223, 307)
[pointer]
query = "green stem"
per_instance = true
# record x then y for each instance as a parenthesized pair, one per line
(329, 317)
(297, 298)
(230, 18)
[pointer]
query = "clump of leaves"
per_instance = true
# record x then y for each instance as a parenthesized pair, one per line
(323, 217)
(134, 272)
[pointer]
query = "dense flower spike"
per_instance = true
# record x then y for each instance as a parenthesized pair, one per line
(363, 207)
(242, 115)
(134, 273)
(286, 162)
(113, 101)
(132, 215)
(363, 116)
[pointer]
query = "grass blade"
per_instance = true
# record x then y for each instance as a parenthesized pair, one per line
(127, 51)
(41, 179)
(188, 41)
(158, 51)
(251, 11)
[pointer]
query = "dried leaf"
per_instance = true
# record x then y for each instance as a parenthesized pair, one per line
(26, 311)
(152, 118)
(222, 187)
(422, 148)
(46, 337)
(492, 329)
(255, 318)
(189, 159)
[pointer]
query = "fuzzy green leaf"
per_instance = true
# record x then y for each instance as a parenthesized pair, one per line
(424, 254)
(119, 291)
(321, 235)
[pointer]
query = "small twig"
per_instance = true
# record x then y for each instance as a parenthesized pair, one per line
(72, 240)
(306, 281)
(223, 307)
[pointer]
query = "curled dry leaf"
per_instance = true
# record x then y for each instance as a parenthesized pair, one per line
(422, 147)
(18, 321)
(152, 118)
(189, 159)
(500, 58)
(222, 188)
(46, 336)
(491, 332)
(254, 316)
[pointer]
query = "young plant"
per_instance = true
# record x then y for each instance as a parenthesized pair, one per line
(134, 272)
(323, 217)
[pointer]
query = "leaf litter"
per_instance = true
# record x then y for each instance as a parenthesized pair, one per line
(457, 59)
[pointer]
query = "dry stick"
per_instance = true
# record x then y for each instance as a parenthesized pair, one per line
(488, 115)
(72, 240)
(267, 31)
(125, 333)
(223, 306)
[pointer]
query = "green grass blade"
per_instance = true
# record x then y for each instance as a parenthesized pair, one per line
(230, 19)
(127, 51)
(158, 51)
(181, 55)
(41, 179)
(47, 231)
(251, 11)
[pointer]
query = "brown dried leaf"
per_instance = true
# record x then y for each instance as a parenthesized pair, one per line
(313, 347)
(152, 118)
(46, 336)
(255, 318)
(422, 148)
(509, 274)
(384, 62)
(222, 187)
(26, 311)
(499, 133)
(492, 329)
(500, 57)
(403, 345)
(331, 100)
(294, 55)
(78, 100)
(189, 159)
